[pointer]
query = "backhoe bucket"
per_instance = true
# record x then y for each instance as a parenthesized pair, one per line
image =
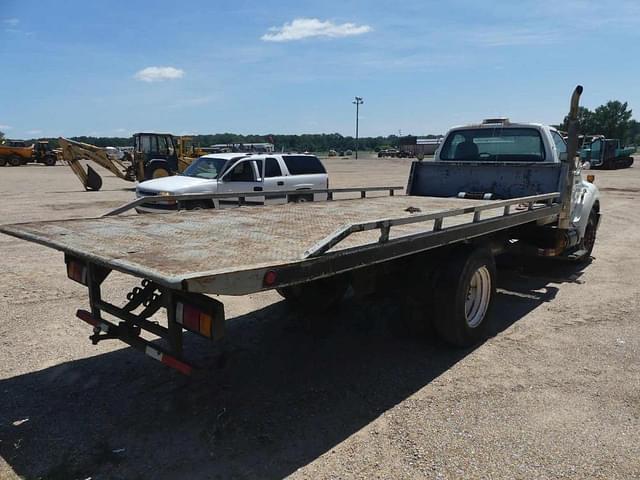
(94, 180)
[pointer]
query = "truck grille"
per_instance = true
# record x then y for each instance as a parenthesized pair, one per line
(146, 193)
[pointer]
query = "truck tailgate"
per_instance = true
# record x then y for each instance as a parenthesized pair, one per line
(170, 249)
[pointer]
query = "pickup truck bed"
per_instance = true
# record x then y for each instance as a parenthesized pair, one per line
(229, 251)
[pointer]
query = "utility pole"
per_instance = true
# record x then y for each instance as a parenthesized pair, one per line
(357, 102)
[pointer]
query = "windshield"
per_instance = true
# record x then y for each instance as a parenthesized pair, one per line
(494, 144)
(203, 167)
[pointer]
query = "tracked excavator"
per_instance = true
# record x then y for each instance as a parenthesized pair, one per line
(154, 155)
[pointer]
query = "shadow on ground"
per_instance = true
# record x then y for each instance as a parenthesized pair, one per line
(273, 397)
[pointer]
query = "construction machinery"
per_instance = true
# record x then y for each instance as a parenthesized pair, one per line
(154, 155)
(606, 153)
(18, 152)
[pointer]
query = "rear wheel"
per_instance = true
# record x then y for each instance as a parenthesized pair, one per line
(465, 292)
(3, 161)
(301, 198)
(15, 161)
(50, 160)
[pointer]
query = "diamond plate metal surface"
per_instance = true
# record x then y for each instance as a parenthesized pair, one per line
(173, 246)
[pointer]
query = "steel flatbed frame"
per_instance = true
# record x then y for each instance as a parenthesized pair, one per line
(229, 251)
(181, 256)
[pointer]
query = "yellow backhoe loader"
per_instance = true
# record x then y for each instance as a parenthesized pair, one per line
(154, 155)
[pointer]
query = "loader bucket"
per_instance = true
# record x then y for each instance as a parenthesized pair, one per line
(94, 180)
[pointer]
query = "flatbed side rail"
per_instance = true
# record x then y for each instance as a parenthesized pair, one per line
(242, 196)
(384, 225)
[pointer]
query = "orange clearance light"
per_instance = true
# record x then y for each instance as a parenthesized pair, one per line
(270, 278)
(591, 178)
(205, 324)
(77, 271)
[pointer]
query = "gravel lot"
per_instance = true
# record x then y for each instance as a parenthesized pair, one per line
(555, 393)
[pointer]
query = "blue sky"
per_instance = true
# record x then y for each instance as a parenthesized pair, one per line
(113, 68)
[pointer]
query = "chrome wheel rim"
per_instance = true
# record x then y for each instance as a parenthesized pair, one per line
(478, 296)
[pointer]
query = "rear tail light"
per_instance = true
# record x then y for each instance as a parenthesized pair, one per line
(77, 271)
(270, 278)
(196, 319)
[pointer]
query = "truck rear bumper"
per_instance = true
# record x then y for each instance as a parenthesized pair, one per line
(196, 313)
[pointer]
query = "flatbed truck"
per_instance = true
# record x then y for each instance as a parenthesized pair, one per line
(493, 188)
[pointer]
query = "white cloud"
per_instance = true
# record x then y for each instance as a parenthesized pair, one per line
(12, 22)
(158, 74)
(301, 28)
(5, 127)
(33, 132)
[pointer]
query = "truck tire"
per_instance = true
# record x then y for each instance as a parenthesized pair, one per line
(318, 295)
(198, 205)
(50, 160)
(589, 239)
(300, 198)
(466, 287)
(15, 161)
(156, 171)
(3, 161)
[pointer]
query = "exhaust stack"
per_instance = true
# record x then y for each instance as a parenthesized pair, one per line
(570, 162)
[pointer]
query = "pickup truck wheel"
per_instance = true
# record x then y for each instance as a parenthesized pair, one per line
(589, 239)
(463, 301)
(319, 295)
(301, 198)
(15, 161)
(197, 205)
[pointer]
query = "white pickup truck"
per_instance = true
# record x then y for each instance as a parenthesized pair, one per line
(229, 173)
(494, 188)
(499, 140)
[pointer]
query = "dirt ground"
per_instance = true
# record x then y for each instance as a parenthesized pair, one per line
(554, 393)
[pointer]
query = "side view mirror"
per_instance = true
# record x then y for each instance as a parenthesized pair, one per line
(564, 156)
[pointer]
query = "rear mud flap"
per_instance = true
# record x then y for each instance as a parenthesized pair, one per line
(94, 180)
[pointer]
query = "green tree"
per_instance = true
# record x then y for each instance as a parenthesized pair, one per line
(613, 119)
(586, 122)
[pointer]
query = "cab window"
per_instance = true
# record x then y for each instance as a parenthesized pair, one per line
(561, 145)
(272, 168)
(241, 172)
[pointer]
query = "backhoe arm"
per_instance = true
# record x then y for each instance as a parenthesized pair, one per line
(73, 152)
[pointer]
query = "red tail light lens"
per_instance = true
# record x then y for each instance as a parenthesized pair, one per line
(270, 278)
(77, 271)
(195, 319)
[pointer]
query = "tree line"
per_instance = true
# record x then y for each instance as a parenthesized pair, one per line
(612, 119)
(321, 142)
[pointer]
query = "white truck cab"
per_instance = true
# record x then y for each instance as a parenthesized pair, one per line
(238, 173)
(500, 141)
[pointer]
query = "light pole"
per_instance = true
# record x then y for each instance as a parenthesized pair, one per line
(357, 102)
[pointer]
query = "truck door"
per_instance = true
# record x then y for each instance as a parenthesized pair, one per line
(241, 178)
(274, 181)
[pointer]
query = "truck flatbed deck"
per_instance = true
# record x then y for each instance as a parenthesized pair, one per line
(229, 251)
